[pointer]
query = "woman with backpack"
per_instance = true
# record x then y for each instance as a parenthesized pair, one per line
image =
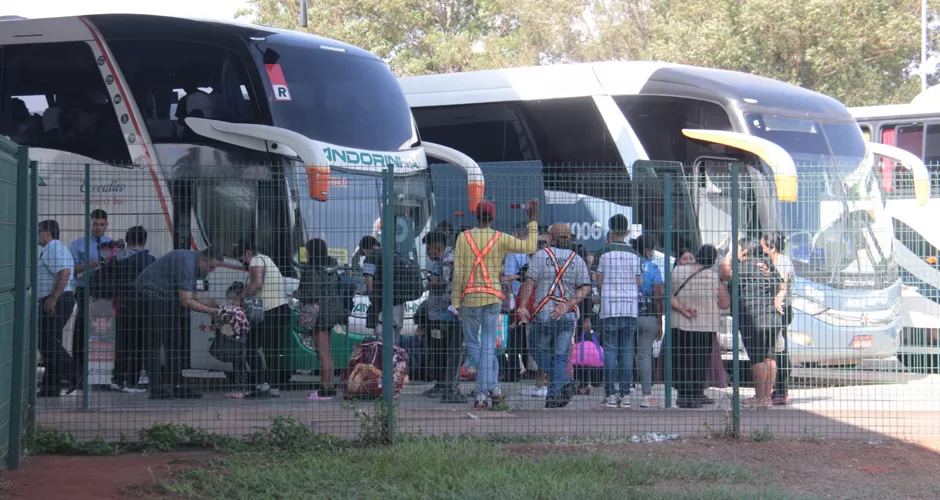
(321, 307)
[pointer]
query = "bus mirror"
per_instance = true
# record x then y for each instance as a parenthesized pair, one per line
(779, 161)
(910, 162)
(475, 184)
(318, 182)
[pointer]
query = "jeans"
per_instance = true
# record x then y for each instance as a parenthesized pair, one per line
(619, 344)
(479, 337)
(553, 359)
(130, 338)
(647, 329)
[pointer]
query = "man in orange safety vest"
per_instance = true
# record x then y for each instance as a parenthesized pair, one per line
(477, 294)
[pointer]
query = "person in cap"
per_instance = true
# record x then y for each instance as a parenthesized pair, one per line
(477, 294)
(561, 281)
(619, 274)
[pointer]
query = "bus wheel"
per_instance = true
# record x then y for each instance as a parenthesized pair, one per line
(920, 363)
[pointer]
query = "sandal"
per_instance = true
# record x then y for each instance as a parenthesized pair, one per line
(236, 395)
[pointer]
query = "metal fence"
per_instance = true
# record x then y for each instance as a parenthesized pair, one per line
(814, 288)
(17, 365)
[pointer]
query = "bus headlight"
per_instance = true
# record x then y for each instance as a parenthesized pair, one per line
(801, 339)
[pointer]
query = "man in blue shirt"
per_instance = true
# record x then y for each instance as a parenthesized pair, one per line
(100, 248)
(56, 302)
(169, 291)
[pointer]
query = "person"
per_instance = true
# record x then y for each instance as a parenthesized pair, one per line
(511, 279)
(698, 295)
(266, 282)
(129, 262)
(477, 295)
(322, 308)
(773, 245)
(540, 389)
(56, 300)
(760, 321)
(170, 289)
(649, 323)
(561, 281)
(100, 249)
(588, 314)
(442, 329)
(619, 271)
(372, 270)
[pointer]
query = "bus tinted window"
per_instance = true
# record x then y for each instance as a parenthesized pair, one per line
(53, 97)
(658, 122)
(335, 97)
(173, 80)
(568, 136)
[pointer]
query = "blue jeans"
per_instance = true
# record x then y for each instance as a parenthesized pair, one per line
(619, 346)
(479, 337)
(553, 359)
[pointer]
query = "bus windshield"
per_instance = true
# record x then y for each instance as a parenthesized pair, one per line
(335, 97)
(354, 210)
(838, 231)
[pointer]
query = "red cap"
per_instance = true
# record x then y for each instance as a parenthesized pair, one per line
(486, 207)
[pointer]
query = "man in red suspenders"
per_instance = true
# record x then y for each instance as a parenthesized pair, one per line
(477, 293)
(561, 281)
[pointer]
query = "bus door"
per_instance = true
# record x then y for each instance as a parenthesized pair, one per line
(649, 203)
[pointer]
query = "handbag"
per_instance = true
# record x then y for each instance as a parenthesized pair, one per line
(254, 305)
(587, 353)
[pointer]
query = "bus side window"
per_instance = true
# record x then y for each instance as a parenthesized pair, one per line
(932, 148)
(173, 80)
(52, 96)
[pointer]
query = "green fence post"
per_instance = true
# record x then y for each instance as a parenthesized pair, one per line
(666, 348)
(33, 245)
(388, 329)
(19, 313)
(735, 306)
(86, 296)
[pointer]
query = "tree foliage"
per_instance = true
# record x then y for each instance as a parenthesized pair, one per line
(859, 51)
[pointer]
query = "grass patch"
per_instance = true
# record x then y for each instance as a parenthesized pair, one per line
(435, 468)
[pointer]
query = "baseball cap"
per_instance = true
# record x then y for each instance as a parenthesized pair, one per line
(486, 207)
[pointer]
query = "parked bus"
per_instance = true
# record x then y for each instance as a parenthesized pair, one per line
(915, 128)
(617, 119)
(208, 132)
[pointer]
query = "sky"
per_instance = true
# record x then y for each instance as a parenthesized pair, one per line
(203, 9)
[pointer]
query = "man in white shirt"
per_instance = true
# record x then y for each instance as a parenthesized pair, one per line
(619, 271)
(56, 301)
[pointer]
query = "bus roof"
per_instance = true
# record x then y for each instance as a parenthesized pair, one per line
(895, 111)
(58, 29)
(729, 88)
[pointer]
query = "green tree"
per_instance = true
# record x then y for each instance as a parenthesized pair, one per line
(858, 51)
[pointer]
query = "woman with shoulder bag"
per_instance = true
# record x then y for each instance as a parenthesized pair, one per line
(698, 296)
(321, 307)
(265, 304)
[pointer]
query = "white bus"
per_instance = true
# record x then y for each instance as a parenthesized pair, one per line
(915, 128)
(208, 132)
(614, 118)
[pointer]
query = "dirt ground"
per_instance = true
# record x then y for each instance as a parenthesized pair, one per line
(823, 469)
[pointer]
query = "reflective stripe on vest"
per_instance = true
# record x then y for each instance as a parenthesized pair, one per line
(478, 257)
(559, 272)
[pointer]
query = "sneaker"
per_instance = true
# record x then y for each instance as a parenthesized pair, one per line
(482, 401)
(274, 392)
(316, 396)
(556, 401)
(143, 380)
(116, 387)
(434, 392)
(133, 389)
(646, 401)
(534, 391)
(612, 401)
(625, 402)
(453, 397)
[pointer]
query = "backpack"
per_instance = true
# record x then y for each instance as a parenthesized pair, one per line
(408, 285)
(324, 286)
(105, 281)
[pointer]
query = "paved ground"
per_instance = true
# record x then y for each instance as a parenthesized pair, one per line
(891, 405)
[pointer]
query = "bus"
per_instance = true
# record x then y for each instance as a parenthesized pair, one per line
(625, 121)
(209, 132)
(915, 128)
